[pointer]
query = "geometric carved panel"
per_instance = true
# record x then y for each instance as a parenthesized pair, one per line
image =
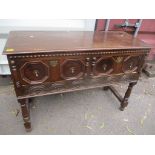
(34, 72)
(104, 65)
(72, 69)
(130, 64)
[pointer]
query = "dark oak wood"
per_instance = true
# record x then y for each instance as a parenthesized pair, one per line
(124, 102)
(25, 113)
(44, 63)
(45, 41)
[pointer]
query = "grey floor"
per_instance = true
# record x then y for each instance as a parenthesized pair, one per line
(83, 112)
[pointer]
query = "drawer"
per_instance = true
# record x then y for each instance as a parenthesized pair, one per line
(116, 65)
(48, 69)
(51, 69)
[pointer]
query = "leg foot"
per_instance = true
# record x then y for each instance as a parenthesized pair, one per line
(123, 105)
(25, 113)
(121, 108)
(30, 100)
(124, 102)
(28, 127)
(106, 88)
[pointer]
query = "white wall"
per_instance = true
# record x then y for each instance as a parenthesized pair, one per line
(7, 25)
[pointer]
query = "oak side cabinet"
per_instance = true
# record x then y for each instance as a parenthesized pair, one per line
(46, 62)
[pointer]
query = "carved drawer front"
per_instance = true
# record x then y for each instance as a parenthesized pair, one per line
(104, 66)
(130, 64)
(72, 69)
(34, 72)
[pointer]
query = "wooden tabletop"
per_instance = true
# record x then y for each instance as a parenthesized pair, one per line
(20, 42)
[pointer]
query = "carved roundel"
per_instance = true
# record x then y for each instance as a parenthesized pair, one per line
(72, 69)
(105, 65)
(130, 64)
(34, 72)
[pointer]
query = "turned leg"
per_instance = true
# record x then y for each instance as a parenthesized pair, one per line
(124, 102)
(25, 113)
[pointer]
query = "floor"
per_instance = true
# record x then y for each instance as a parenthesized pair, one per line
(83, 112)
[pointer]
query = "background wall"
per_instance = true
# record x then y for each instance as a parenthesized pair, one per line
(64, 24)
(147, 26)
(146, 31)
(7, 25)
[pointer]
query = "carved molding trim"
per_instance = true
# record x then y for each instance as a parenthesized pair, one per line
(50, 88)
(79, 53)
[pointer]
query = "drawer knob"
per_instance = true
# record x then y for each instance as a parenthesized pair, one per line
(36, 73)
(131, 65)
(72, 70)
(104, 66)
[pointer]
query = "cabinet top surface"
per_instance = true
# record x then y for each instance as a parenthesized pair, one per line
(21, 42)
